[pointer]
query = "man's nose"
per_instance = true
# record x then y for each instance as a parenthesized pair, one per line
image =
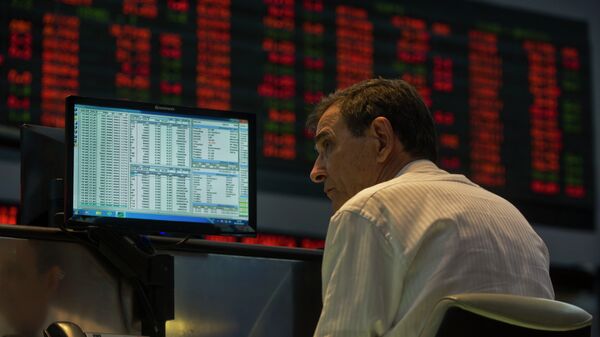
(318, 172)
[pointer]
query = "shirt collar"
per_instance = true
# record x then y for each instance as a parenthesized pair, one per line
(414, 166)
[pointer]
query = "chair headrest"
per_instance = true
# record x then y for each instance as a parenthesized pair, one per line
(523, 311)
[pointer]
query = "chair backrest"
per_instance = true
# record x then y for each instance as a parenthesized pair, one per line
(502, 315)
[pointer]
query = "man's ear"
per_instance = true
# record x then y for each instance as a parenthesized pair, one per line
(382, 130)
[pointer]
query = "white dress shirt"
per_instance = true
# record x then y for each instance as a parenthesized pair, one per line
(396, 248)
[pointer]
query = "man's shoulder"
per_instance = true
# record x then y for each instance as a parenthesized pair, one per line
(411, 188)
(369, 202)
(377, 196)
(411, 181)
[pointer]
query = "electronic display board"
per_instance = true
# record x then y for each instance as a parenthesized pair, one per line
(509, 90)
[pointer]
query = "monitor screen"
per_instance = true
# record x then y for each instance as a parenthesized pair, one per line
(159, 168)
(42, 174)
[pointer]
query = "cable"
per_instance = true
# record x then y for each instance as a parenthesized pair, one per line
(146, 304)
(69, 233)
(178, 243)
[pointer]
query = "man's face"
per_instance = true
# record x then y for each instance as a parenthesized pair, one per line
(346, 164)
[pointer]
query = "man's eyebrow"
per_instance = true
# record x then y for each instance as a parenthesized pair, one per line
(322, 135)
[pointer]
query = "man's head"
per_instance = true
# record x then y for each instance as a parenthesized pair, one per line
(366, 133)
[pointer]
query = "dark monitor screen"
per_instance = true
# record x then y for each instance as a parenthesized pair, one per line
(157, 168)
(42, 171)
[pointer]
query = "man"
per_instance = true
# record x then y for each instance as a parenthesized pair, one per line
(405, 233)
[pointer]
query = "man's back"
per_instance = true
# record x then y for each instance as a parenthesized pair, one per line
(423, 235)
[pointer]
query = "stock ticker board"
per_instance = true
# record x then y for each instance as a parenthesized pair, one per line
(509, 90)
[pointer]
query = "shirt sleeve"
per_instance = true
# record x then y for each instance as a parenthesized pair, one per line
(361, 283)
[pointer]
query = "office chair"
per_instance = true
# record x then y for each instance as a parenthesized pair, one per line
(502, 315)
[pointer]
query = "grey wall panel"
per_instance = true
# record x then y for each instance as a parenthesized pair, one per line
(46, 281)
(226, 295)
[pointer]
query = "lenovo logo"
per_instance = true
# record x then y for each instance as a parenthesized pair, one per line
(168, 108)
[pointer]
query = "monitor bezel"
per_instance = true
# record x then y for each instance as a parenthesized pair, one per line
(158, 226)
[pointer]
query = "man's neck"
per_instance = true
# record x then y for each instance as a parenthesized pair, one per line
(394, 166)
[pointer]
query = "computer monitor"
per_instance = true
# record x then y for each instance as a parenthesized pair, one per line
(42, 173)
(154, 168)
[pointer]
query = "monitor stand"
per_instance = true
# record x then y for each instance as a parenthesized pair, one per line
(152, 275)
